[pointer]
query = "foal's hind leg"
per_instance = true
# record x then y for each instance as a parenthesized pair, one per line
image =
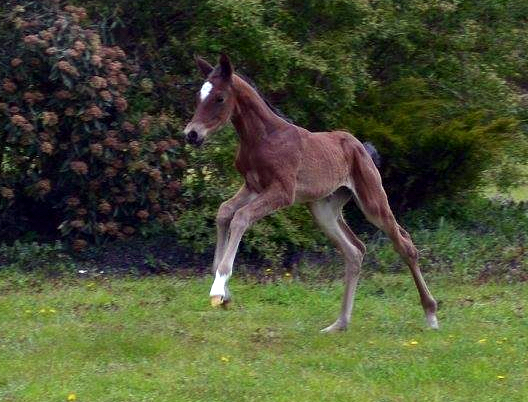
(372, 200)
(404, 246)
(327, 214)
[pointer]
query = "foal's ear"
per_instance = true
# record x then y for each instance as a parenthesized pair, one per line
(204, 67)
(226, 68)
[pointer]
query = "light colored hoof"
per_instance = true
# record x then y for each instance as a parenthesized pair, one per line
(217, 301)
(432, 321)
(337, 326)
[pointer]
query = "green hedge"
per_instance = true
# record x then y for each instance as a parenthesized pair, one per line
(436, 86)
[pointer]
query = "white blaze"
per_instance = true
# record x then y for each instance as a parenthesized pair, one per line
(206, 89)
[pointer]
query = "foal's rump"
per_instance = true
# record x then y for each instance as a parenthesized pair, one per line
(366, 181)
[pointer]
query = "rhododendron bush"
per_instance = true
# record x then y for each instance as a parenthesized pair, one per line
(68, 141)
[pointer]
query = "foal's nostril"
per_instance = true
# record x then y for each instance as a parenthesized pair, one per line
(192, 136)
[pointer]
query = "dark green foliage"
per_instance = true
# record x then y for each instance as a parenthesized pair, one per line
(46, 259)
(438, 86)
(429, 147)
(312, 58)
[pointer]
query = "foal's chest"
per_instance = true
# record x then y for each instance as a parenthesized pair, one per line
(253, 172)
(253, 181)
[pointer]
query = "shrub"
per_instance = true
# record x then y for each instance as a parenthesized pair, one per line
(431, 147)
(51, 258)
(70, 151)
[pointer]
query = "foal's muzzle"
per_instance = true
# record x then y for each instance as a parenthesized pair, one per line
(193, 138)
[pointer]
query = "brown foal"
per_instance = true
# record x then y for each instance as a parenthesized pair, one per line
(283, 164)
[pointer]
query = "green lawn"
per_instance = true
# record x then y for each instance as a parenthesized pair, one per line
(157, 339)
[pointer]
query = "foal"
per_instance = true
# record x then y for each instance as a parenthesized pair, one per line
(283, 164)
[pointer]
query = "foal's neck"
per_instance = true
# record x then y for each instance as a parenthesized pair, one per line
(253, 119)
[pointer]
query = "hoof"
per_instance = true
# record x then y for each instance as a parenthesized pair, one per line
(217, 301)
(337, 326)
(432, 321)
(226, 303)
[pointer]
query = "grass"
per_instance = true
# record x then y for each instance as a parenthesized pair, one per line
(157, 339)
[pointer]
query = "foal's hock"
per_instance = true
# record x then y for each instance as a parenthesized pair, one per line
(283, 164)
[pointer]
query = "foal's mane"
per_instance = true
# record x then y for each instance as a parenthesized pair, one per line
(273, 108)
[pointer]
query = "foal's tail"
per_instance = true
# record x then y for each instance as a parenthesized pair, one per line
(373, 152)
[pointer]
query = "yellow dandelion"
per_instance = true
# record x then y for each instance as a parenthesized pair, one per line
(42, 310)
(483, 340)
(52, 310)
(501, 377)
(224, 359)
(287, 275)
(72, 397)
(410, 343)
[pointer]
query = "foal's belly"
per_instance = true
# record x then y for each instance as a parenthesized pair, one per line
(308, 192)
(323, 168)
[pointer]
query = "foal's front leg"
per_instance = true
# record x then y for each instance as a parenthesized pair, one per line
(223, 219)
(265, 203)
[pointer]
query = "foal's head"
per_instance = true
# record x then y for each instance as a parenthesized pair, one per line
(215, 101)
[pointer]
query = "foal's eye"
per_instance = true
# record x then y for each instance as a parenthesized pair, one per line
(220, 99)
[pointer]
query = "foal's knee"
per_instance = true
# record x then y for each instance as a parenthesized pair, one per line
(404, 246)
(410, 251)
(224, 215)
(355, 256)
(361, 248)
(240, 221)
